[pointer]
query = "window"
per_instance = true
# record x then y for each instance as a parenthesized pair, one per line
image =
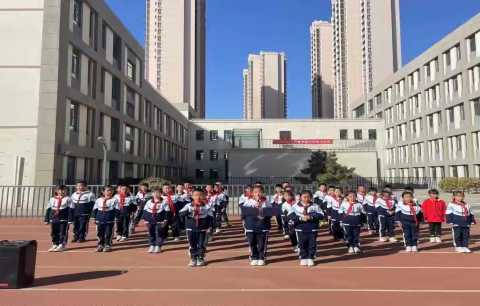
(462, 112)
(199, 173)
(213, 155)
(357, 134)
(116, 93)
(130, 110)
(213, 173)
(92, 79)
(285, 135)
(128, 146)
(225, 155)
(372, 134)
(473, 47)
(228, 136)
(71, 165)
(74, 117)
(128, 130)
(131, 71)
(200, 135)
(213, 135)
(102, 80)
(452, 115)
(104, 35)
(343, 134)
(459, 53)
(75, 64)
(199, 155)
(476, 108)
(448, 62)
(92, 31)
(455, 84)
(128, 170)
(77, 13)
(459, 143)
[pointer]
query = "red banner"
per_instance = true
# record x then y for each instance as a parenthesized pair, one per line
(304, 141)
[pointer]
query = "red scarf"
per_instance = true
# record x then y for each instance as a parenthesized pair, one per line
(305, 209)
(290, 202)
(335, 198)
(154, 208)
(464, 209)
(412, 210)
(170, 203)
(122, 199)
(210, 195)
(249, 196)
(388, 203)
(59, 203)
(350, 208)
(189, 191)
(277, 197)
(143, 194)
(362, 194)
(105, 203)
(374, 200)
(196, 211)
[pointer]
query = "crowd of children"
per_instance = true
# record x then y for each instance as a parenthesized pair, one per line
(199, 213)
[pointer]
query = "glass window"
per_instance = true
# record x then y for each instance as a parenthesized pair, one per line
(213, 135)
(199, 173)
(200, 135)
(213, 155)
(75, 64)
(128, 146)
(128, 170)
(228, 135)
(199, 154)
(372, 134)
(357, 134)
(128, 130)
(131, 71)
(77, 13)
(213, 173)
(130, 110)
(74, 117)
(462, 112)
(285, 135)
(343, 134)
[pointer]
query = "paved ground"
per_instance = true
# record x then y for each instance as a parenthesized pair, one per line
(128, 275)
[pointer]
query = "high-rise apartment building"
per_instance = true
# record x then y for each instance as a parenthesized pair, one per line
(322, 71)
(265, 86)
(366, 48)
(175, 52)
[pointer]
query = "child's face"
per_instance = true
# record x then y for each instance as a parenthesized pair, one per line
(287, 196)
(330, 190)
(458, 197)
(124, 190)
(278, 189)
(108, 192)
(166, 190)
(257, 193)
(179, 188)
(143, 188)
(386, 195)
(433, 195)
(218, 189)
(288, 188)
(62, 192)
(306, 198)
(373, 193)
(388, 189)
(248, 190)
(197, 196)
(80, 187)
(322, 188)
(156, 194)
(209, 188)
(187, 186)
(361, 189)
(119, 188)
(337, 192)
(407, 198)
(351, 197)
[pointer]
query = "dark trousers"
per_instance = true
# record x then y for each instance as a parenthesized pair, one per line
(372, 221)
(138, 214)
(435, 229)
(105, 234)
(80, 226)
(461, 236)
(174, 227)
(156, 234)
(258, 245)
(197, 242)
(225, 215)
(279, 218)
(286, 227)
(387, 226)
(410, 234)
(59, 233)
(123, 224)
(336, 230)
(352, 234)
(307, 244)
(217, 218)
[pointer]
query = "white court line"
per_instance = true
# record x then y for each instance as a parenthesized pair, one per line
(246, 290)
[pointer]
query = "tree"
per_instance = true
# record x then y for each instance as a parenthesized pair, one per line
(334, 172)
(316, 164)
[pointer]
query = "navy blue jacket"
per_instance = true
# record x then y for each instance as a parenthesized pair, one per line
(106, 210)
(66, 210)
(252, 222)
(162, 212)
(299, 211)
(403, 212)
(460, 215)
(354, 217)
(205, 217)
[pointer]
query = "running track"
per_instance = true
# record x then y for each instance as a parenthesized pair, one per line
(383, 274)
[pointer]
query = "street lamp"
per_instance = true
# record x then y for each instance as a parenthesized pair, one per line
(101, 139)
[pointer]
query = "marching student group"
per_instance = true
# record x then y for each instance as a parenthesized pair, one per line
(199, 213)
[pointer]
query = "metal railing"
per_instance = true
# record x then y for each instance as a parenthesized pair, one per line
(312, 144)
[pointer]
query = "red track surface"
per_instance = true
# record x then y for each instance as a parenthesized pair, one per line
(129, 275)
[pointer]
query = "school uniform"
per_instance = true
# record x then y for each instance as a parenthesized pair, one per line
(361, 197)
(352, 215)
(372, 217)
(188, 194)
(434, 214)
(319, 199)
(460, 216)
(410, 215)
(213, 200)
(333, 205)
(198, 220)
(84, 202)
(243, 198)
(60, 214)
(386, 221)
(157, 215)
(128, 205)
(222, 203)
(179, 201)
(172, 202)
(306, 231)
(224, 211)
(142, 199)
(105, 211)
(288, 229)
(277, 201)
(257, 230)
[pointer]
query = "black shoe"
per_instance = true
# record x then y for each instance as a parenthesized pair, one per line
(80, 240)
(74, 240)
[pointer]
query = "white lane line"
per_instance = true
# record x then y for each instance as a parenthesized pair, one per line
(246, 290)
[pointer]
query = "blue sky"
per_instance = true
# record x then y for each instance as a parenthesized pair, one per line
(236, 28)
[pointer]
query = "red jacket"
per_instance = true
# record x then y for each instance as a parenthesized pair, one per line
(434, 210)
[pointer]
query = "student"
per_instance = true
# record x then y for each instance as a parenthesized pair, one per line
(60, 214)
(142, 197)
(412, 191)
(198, 218)
(434, 213)
(221, 205)
(306, 216)
(246, 195)
(168, 195)
(408, 214)
(156, 216)
(180, 199)
(225, 208)
(188, 190)
(361, 193)
(385, 208)
(319, 197)
(84, 201)
(257, 227)
(288, 229)
(351, 215)
(105, 211)
(277, 201)
(128, 206)
(393, 197)
(369, 206)
(459, 214)
(333, 205)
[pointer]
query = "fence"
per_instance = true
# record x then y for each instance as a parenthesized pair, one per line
(31, 201)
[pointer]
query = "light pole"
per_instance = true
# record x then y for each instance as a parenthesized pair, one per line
(101, 139)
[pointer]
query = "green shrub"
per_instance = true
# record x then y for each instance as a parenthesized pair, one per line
(449, 184)
(155, 182)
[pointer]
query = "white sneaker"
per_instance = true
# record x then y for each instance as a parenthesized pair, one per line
(310, 262)
(438, 240)
(408, 249)
(53, 248)
(286, 237)
(383, 239)
(254, 263)
(157, 249)
(218, 230)
(176, 239)
(295, 249)
(414, 249)
(393, 239)
(303, 262)
(459, 250)
(351, 250)
(432, 239)
(192, 263)
(151, 249)
(466, 250)
(119, 238)
(261, 262)
(123, 239)
(357, 250)
(60, 248)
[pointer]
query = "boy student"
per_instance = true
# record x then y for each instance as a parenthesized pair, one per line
(369, 206)
(288, 230)
(128, 206)
(361, 193)
(389, 188)
(156, 216)
(333, 205)
(306, 216)
(221, 202)
(188, 190)
(198, 218)
(319, 199)
(60, 214)
(434, 213)
(105, 211)
(459, 214)
(171, 200)
(180, 199)
(408, 214)
(412, 191)
(212, 200)
(277, 201)
(84, 201)
(225, 208)
(142, 197)
(351, 215)
(385, 208)
(257, 226)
